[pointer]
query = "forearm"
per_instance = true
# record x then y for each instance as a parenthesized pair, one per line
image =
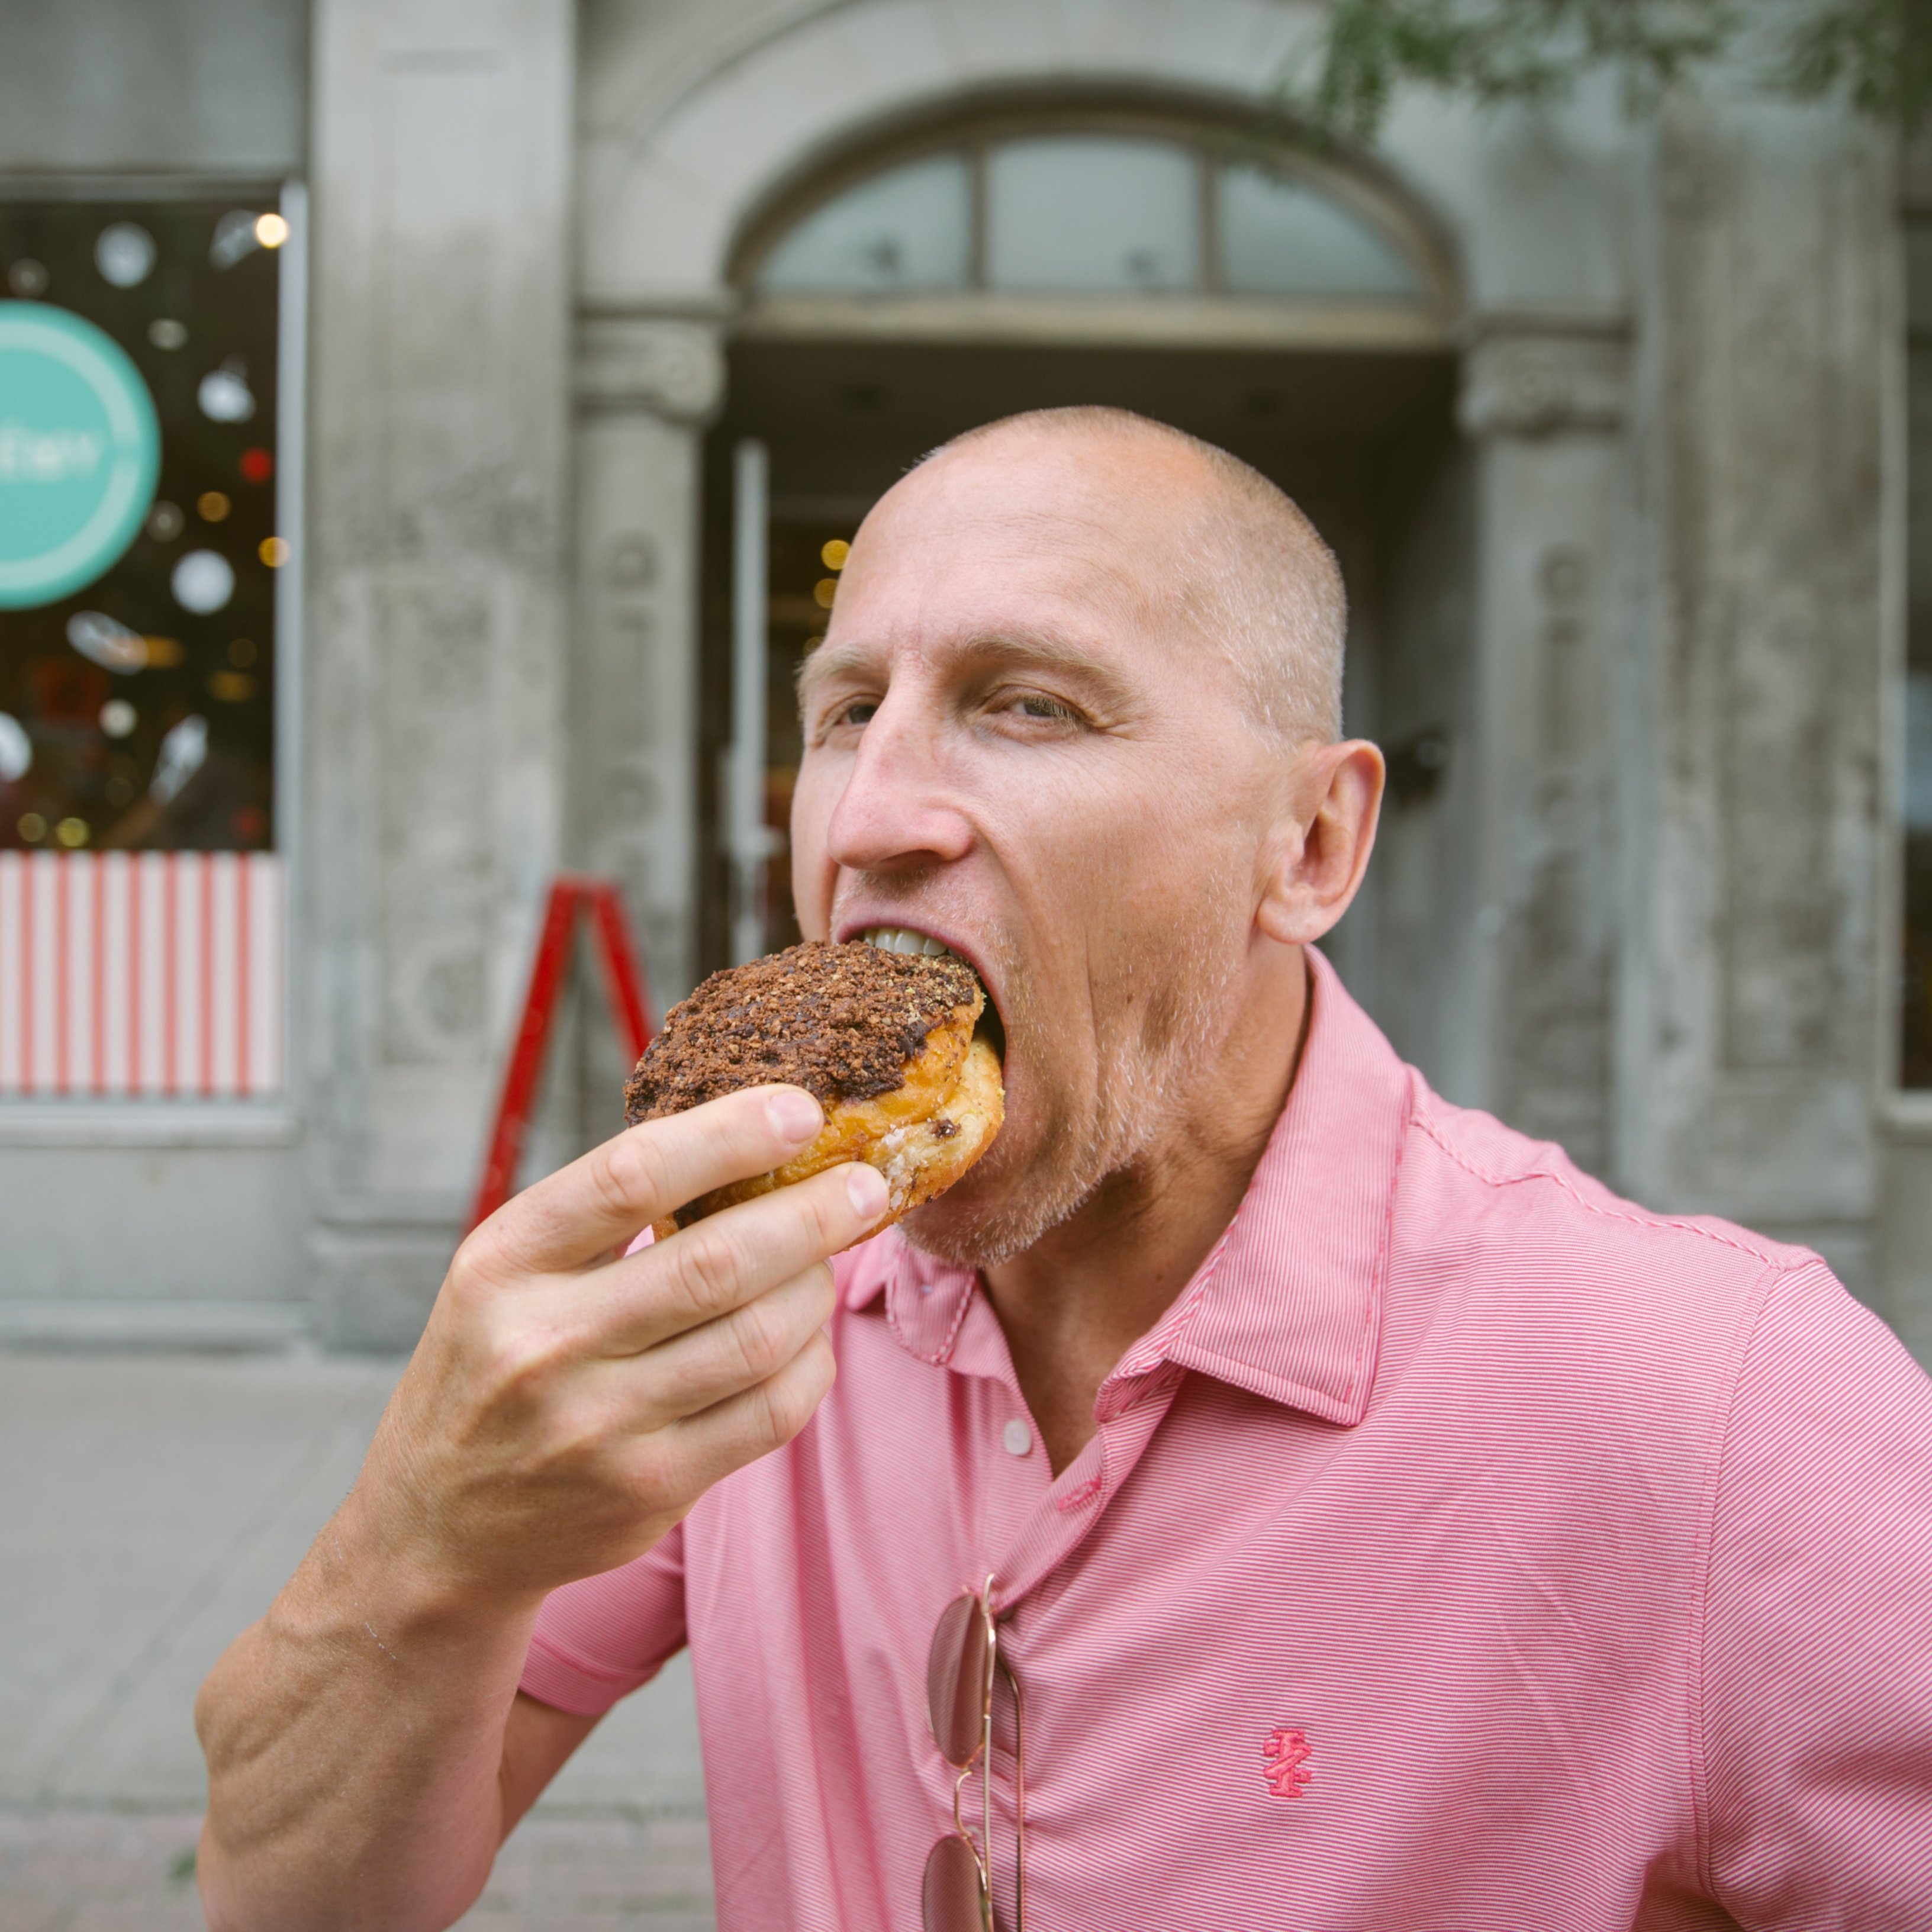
(354, 1739)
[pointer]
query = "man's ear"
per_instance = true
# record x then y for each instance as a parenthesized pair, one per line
(1322, 849)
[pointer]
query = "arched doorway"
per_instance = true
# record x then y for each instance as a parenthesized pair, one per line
(1172, 257)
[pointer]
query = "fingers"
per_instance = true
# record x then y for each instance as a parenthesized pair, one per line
(577, 1216)
(691, 1455)
(712, 1363)
(729, 1259)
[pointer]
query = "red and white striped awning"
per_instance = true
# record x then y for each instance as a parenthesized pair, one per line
(141, 976)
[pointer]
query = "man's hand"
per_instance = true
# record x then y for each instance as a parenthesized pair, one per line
(567, 1405)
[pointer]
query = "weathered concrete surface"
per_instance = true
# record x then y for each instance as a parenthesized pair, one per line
(1749, 1062)
(98, 85)
(439, 416)
(155, 1506)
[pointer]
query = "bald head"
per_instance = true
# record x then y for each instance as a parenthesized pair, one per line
(1251, 576)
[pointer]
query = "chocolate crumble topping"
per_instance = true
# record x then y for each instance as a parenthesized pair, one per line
(841, 1022)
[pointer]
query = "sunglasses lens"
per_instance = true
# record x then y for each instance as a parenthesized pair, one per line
(951, 1899)
(956, 1680)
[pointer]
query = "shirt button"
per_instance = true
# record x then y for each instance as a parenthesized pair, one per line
(1017, 1437)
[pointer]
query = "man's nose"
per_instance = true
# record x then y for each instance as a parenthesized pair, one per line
(898, 807)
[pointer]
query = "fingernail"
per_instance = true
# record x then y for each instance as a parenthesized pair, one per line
(797, 1116)
(865, 1189)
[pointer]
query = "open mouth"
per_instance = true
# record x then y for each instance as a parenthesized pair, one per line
(903, 939)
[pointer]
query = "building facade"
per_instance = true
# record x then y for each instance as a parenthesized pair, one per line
(599, 327)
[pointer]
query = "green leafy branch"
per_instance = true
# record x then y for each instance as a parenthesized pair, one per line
(1877, 54)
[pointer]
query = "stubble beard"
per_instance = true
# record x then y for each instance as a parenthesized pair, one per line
(1147, 1063)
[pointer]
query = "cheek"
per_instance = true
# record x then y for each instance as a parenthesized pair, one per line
(812, 800)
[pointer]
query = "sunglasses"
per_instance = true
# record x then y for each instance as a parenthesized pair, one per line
(957, 1894)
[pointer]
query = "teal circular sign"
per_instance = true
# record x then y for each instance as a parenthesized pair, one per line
(80, 449)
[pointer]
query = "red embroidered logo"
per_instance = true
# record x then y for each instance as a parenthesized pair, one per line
(1282, 1761)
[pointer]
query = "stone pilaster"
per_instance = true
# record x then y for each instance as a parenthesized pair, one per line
(1750, 1040)
(645, 388)
(440, 412)
(1544, 398)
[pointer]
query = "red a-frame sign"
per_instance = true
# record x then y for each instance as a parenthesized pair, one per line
(572, 895)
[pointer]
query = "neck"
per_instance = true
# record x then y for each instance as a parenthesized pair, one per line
(1075, 1302)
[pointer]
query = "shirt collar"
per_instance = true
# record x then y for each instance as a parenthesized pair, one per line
(1288, 1303)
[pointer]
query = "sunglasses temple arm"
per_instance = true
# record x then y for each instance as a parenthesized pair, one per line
(1019, 1804)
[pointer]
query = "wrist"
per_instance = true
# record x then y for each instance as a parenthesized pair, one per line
(387, 1586)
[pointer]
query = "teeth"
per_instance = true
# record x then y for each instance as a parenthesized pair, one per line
(900, 939)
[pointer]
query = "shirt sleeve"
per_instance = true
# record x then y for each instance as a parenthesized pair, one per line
(598, 1640)
(1815, 1714)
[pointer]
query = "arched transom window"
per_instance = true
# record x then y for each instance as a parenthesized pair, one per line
(1098, 213)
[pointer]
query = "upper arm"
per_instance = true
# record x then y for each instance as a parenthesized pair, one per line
(1816, 1703)
(538, 1741)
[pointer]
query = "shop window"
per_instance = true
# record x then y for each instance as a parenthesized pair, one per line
(139, 550)
(1096, 213)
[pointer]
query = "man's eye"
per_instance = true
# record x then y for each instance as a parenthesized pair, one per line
(1034, 704)
(860, 712)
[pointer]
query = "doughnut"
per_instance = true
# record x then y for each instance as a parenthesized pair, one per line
(883, 1041)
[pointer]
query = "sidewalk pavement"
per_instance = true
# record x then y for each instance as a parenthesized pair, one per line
(151, 1507)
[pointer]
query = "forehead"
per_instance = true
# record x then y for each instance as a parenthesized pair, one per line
(1083, 545)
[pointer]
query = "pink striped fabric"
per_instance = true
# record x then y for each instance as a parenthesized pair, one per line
(1466, 1549)
(152, 975)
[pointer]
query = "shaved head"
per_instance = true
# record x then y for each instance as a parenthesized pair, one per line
(1255, 579)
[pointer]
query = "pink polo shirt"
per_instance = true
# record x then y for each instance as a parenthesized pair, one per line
(1466, 1549)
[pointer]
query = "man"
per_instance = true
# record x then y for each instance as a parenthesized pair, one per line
(1383, 1526)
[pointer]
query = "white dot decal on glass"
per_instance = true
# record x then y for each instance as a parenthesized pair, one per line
(203, 581)
(124, 252)
(224, 396)
(17, 749)
(1017, 1437)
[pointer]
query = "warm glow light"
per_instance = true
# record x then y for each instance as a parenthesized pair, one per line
(72, 832)
(33, 827)
(834, 554)
(213, 505)
(271, 230)
(274, 551)
(823, 591)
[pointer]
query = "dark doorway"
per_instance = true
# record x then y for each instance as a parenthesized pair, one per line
(1358, 440)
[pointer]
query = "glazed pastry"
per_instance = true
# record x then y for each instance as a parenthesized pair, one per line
(883, 1041)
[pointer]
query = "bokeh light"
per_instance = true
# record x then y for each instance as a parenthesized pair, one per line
(833, 554)
(118, 717)
(274, 552)
(271, 230)
(213, 506)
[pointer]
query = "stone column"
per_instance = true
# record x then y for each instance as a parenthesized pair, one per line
(646, 386)
(1544, 397)
(439, 414)
(1750, 1043)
